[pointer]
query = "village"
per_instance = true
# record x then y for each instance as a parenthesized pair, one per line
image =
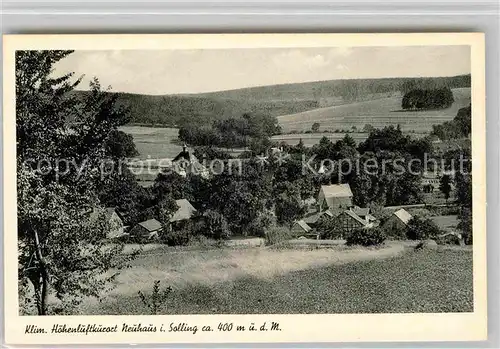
(333, 204)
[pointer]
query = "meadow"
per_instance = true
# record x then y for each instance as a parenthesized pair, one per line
(394, 278)
(162, 142)
(378, 113)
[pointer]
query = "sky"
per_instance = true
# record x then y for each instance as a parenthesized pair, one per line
(158, 72)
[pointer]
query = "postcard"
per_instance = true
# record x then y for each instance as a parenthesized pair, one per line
(244, 188)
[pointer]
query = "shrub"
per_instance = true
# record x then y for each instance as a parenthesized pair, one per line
(329, 228)
(396, 232)
(422, 229)
(260, 224)
(179, 237)
(157, 298)
(366, 237)
(215, 226)
(449, 239)
(276, 235)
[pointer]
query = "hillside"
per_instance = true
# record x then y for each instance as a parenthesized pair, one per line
(378, 113)
(340, 88)
(275, 100)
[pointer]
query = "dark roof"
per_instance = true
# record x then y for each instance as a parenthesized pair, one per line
(355, 217)
(314, 218)
(151, 225)
(303, 225)
(182, 155)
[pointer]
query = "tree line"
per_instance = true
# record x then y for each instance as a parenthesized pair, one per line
(459, 127)
(428, 99)
(247, 131)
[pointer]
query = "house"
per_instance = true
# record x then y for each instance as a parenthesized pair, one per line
(186, 163)
(335, 197)
(184, 213)
(146, 230)
(431, 180)
(364, 213)
(349, 221)
(313, 219)
(115, 222)
(397, 222)
(301, 228)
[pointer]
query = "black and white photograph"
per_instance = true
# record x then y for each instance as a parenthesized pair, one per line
(259, 180)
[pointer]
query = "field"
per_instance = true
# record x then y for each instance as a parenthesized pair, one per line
(261, 280)
(378, 113)
(159, 142)
(154, 142)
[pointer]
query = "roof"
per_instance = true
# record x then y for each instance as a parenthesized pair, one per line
(403, 215)
(311, 219)
(314, 218)
(356, 217)
(336, 196)
(185, 211)
(151, 225)
(303, 225)
(336, 190)
(362, 211)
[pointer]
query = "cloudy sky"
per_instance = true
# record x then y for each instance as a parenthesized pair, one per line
(192, 71)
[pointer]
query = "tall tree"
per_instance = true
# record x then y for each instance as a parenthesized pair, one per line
(445, 186)
(60, 149)
(289, 206)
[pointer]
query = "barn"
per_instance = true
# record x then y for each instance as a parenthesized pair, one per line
(397, 224)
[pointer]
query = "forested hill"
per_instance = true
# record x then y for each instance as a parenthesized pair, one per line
(275, 100)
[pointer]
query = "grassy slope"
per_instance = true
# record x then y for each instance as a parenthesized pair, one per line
(378, 113)
(274, 100)
(424, 281)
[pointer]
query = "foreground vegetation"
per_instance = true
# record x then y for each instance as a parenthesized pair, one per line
(418, 281)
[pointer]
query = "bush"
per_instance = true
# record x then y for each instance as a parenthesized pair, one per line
(158, 297)
(258, 226)
(329, 228)
(215, 226)
(366, 237)
(396, 232)
(276, 235)
(422, 229)
(179, 237)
